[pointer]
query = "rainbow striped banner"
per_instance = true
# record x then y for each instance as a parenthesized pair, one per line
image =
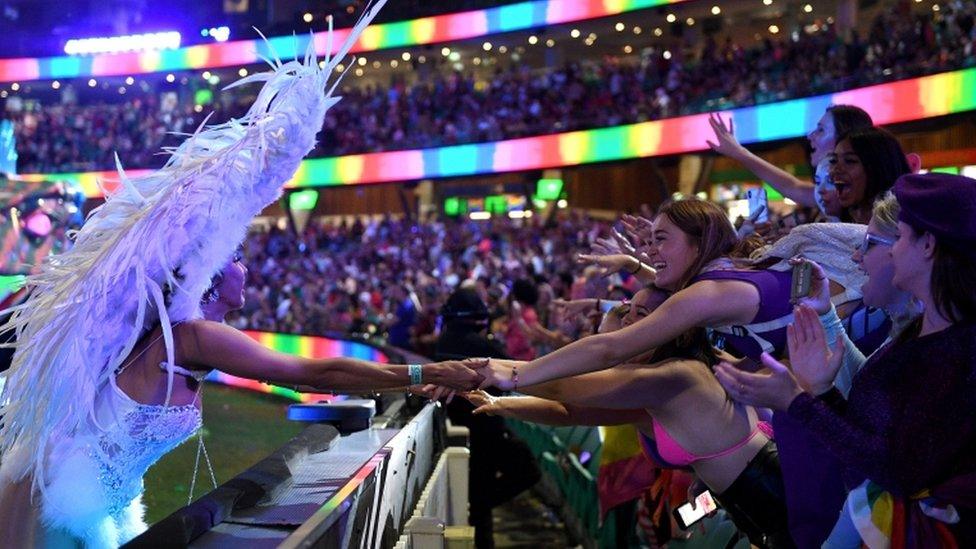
(902, 101)
(305, 347)
(414, 32)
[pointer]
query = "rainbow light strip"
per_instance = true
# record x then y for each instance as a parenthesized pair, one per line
(414, 32)
(353, 484)
(914, 99)
(87, 181)
(305, 347)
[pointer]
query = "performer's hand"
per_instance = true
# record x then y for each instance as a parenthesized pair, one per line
(433, 392)
(455, 374)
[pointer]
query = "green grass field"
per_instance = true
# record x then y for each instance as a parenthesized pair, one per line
(240, 428)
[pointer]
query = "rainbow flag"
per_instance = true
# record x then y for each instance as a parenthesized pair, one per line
(625, 472)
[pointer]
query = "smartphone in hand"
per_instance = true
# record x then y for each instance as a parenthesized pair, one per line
(802, 280)
(688, 514)
(758, 205)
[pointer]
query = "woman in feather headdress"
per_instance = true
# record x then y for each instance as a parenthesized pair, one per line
(90, 401)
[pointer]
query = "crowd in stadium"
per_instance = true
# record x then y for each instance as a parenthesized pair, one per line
(365, 278)
(809, 365)
(880, 312)
(455, 107)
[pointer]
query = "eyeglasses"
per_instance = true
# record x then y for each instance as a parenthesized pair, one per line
(871, 240)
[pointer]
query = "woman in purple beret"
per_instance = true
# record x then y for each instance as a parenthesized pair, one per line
(908, 426)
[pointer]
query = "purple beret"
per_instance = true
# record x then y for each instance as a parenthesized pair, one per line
(939, 203)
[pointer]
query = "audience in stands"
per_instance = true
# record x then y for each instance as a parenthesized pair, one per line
(517, 101)
(368, 277)
(876, 404)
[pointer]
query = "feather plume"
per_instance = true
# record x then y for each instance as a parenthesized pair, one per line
(172, 229)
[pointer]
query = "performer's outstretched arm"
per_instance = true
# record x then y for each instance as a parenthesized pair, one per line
(203, 343)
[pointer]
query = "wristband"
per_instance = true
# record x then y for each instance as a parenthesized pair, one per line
(640, 265)
(515, 378)
(416, 374)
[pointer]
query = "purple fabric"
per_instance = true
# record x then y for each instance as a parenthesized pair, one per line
(910, 422)
(811, 475)
(868, 328)
(815, 490)
(774, 302)
(939, 203)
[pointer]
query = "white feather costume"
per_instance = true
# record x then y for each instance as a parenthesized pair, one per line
(174, 229)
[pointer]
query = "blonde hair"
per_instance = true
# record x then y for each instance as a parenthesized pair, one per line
(885, 213)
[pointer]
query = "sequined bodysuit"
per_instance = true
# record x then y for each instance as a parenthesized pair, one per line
(93, 484)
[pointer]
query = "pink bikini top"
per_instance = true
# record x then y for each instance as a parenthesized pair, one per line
(673, 453)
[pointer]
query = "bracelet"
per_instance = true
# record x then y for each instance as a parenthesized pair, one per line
(416, 374)
(515, 378)
(640, 265)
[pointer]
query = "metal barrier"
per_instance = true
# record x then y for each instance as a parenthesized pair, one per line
(441, 516)
(320, 490)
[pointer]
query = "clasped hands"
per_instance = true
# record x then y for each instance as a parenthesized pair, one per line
(468, 375)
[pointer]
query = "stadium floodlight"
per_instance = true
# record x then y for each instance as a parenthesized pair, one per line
(169, 40)
(219, 34)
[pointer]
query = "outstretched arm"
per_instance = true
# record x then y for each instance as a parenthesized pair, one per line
(726, 144)
(624, 387)
(706, 303)
(550, 412)
(215, 345)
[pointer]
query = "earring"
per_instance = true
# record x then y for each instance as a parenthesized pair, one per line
(211, 296)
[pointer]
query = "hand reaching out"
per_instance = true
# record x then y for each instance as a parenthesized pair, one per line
(623, 242)
(454, 374)
(608, 264)
(775, 389)
(725, 142)
(483, 402)
(495, 374)
(639, 228)
(605, 246)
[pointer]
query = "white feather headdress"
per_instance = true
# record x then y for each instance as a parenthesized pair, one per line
(173, 228)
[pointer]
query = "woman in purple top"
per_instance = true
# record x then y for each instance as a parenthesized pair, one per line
(909, 423)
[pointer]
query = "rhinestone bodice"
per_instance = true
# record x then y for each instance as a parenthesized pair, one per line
(126, 438)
